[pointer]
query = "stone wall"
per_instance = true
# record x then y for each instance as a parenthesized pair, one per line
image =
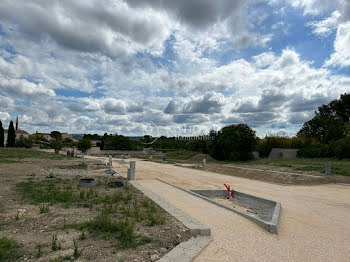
(283, 153)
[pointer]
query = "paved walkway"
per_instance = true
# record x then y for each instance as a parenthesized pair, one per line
(315, 222)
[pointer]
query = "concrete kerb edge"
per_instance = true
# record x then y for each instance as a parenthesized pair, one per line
(185, 251)
(272, 227)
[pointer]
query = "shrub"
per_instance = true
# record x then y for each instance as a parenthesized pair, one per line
(341, 148)
(315, 151)
(24, 142)
(265, 145)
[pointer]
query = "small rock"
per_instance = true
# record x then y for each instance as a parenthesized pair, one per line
(154, 257)
(167, 228)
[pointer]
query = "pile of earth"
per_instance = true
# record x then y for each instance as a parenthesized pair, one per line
(200, 157)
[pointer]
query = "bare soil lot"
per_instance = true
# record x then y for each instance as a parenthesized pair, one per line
(45, 216)
(273, 174)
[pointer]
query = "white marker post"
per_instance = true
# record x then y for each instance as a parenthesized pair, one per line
(131, 170)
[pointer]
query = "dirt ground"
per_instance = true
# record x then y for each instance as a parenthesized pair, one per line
(274, 174)
(23, 222)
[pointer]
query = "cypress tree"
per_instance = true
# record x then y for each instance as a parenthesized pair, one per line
(11, 136)
(2, 136)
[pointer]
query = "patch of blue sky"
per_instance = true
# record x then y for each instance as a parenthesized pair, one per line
(165, 93)
(296, 34)
(167, 59)
(290, 31)
(71, 92)
(340, 70)
(8, 48)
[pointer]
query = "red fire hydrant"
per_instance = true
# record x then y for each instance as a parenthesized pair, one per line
(230, 194)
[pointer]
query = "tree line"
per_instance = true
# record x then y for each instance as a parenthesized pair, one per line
(327, 134)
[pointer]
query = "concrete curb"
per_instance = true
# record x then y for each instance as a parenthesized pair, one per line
(195, 227)
(185, 251)
(272, 226)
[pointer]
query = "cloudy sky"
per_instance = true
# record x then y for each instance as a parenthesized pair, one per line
(171, 67)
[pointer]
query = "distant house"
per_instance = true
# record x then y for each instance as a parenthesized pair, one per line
(66, 135)
(47, 136)
(19, 134)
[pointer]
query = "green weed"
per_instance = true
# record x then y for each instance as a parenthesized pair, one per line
(82, 236)
(44, 209)
(55, 245)
(9, 250)
(77, 253)
(39, 252)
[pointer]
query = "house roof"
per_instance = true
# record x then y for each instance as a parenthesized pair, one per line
(17, 131)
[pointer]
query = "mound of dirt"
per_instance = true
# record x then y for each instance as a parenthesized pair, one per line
(200, 157)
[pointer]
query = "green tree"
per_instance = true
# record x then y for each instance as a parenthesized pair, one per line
(11, 136)
(56, 135)
(57, 145)
(84, 145)
(117, 142)
(2, 135)
(234, 142)
(329, 123)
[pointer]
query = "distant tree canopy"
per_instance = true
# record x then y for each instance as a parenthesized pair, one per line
(2, 135)
(234, 142)
(92, 137)
(11, 136)
(117, 142)
(56, 135)
(84, 145)
(330, 123)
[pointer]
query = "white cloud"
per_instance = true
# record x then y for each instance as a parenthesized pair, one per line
(341, 56)
(326, 26)
(316, 7)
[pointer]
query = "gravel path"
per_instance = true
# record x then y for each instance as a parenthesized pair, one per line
(315, 219)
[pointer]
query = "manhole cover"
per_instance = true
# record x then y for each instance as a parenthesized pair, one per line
(115, 184)
(87, 182)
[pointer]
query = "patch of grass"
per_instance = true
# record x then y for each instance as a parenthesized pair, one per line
(17, 217)
(55, 245)
(9, 250)
(44, 209)
(77, 253)
(83, 165)
(155, 219)
(82, 236)
(38, 250)
(54, 191)
(339, 167)
(13, 155)
(105, 227)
